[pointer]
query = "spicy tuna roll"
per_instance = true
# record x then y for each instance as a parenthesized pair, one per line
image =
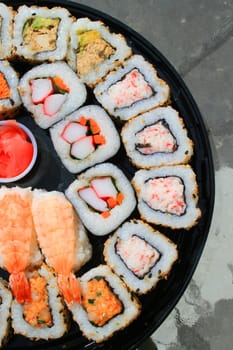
(140, 255)
(41, 34)
(10, 100)
(168, 196)
(6, 29)
(44, 316)
(157, 138)
(132, 89)
(107, 306)
(84, 138)
(94, 50)
(103, 198)
(51, 91)
(5, 309)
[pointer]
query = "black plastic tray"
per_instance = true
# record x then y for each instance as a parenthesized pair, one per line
(49, 173)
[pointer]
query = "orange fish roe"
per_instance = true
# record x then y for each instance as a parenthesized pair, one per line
(100, 302)
(37, 312)
(4, 88)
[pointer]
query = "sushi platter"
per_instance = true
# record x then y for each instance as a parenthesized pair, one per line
(114, 196)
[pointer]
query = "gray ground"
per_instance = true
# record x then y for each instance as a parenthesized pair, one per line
(197, 38)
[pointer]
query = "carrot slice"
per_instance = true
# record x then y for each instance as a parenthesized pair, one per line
(105, 214)
(99, 139)
(82, 121)
(60, 84)
(112, 202)
(120, 198)
(4, 88)
(95, 129)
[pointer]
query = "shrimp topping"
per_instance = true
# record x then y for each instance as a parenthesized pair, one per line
(56, 224)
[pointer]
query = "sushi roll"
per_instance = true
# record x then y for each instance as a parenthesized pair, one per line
(6, 29)
(5, 309)
(107, 306)
(94, 50)
(103, 198)
(132, 89)
(44, 316)
(140, 255)
(10, 100)
(168, 196)
(41, 34)
(157, 138)
(51, 91)
(84, 138)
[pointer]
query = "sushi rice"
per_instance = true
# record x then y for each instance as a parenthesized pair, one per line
(116, 41)
(6, 29)
(101, 153)
(175, 129)
(92, 219)
(131, 306)
(5, 309)
(182, 173)
(144, 274)
(117, 92)
(26, 13)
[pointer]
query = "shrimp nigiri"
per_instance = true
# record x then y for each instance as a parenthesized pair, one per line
(56, 225)
(16, 238)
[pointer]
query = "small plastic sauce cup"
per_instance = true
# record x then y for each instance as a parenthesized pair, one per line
(18, 151)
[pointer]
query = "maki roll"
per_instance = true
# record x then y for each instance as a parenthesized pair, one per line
(6, 29)
(140, 255)
(10, 100)
(50, 91)
(132, 89)
(94, 50)
(44, 316)
(157, 138)
(41, 34)
(168, 196)
(84, 138)
(5, 309)
(107, 306)
(103, 198)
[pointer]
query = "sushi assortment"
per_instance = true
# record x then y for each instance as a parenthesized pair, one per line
(45, 236)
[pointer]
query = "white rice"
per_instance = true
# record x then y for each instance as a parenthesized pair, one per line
(101, 154)
(131, 307)
(117, 41)
(188, 177)
(176, 127)
(9, 106)
(93, 221)
(160, 90)
(6, 15)
(74, 99)
(155, 239)
(24, 13)
(59, 316)
(5, 306)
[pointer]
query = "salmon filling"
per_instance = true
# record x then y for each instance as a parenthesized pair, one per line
(100, 302)
(165, 194)
(93, 50)
(132, 88)
(156, 138)
(37, 312)
(40, 34)
(4, 87)
(138, 255)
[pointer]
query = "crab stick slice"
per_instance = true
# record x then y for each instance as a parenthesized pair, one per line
(82, 147)
(73, 131)
(53, 103)
(90, 197)
(104, 187)
(41, 88)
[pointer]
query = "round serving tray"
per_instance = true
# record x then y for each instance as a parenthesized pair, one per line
(49, 173)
